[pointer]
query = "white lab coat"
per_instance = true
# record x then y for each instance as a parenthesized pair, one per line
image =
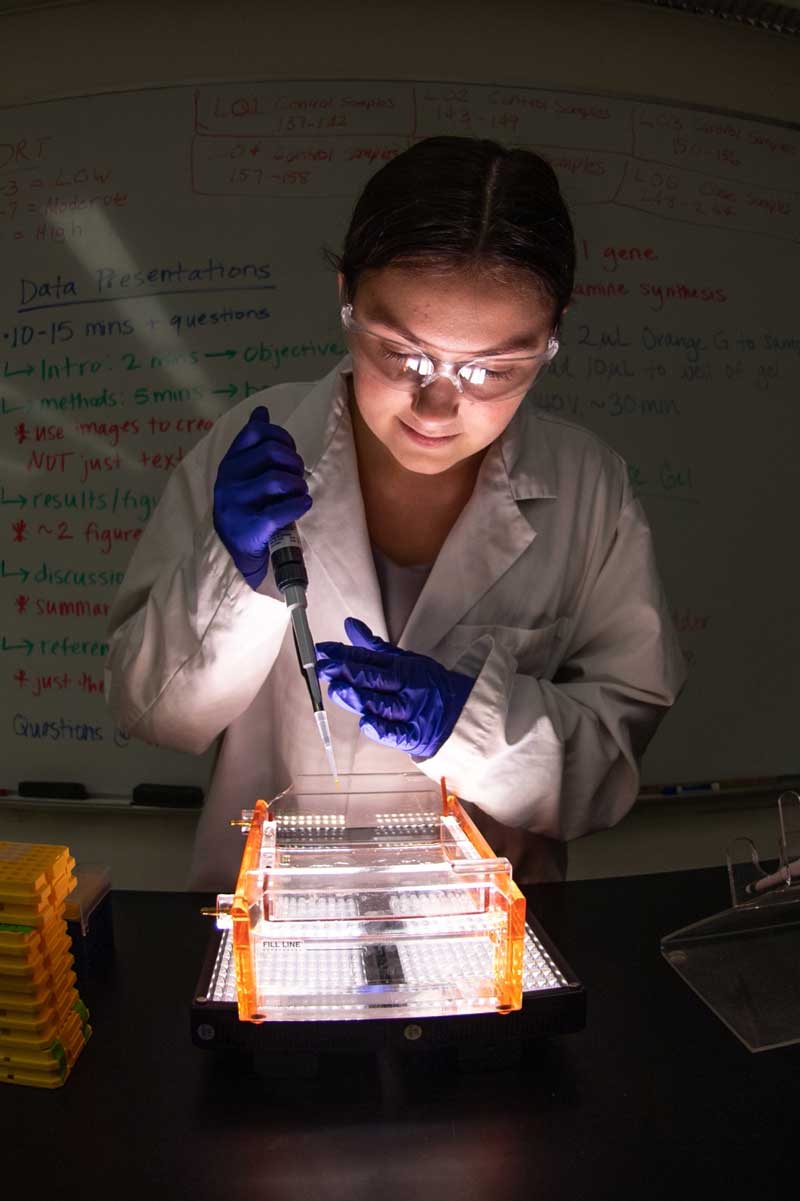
(545, 591)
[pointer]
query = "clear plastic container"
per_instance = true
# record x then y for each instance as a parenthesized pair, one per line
(744, 962)
(379, 899)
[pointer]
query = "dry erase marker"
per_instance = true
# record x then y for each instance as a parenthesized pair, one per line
(61, 790)
(675, 789)
(721, 785)
(785, 875)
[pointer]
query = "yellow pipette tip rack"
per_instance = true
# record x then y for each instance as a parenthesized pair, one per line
(44, 1025)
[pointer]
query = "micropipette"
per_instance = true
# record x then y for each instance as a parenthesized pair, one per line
(291, 577)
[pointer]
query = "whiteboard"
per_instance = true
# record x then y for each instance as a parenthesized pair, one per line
(162, 255)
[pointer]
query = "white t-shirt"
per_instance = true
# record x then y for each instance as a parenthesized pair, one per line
(400, 588)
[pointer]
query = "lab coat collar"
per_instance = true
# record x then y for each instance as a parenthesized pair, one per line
(489, 536)
(528, 456)
(316, 419)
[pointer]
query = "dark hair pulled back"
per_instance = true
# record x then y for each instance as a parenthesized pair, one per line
(453, 202)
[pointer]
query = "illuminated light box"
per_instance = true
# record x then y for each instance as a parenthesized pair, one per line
(379, 900)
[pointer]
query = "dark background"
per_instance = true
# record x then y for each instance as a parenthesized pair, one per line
(653, 1099)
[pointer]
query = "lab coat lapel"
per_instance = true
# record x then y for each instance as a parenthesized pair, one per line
(335, 527)
(488, 537)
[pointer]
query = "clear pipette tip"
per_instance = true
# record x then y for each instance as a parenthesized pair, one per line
(321, 718)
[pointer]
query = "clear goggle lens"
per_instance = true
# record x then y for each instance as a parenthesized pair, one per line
(402, 367)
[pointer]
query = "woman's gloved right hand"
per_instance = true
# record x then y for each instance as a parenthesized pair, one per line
(260, 488)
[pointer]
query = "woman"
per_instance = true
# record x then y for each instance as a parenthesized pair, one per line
(507, 626)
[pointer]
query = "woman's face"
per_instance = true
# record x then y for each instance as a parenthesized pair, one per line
(454, 316)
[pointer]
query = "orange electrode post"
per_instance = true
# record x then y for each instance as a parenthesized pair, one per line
(245, 900)
(379, 900)
(509, 948)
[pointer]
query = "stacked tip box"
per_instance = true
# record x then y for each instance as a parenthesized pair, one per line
(43, 1022)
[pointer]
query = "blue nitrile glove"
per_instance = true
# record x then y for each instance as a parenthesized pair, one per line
(260, 488)
(404, 700)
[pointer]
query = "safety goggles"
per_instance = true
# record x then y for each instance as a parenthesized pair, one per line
(408, 367)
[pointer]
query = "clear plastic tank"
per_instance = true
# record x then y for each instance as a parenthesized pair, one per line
(381, 899)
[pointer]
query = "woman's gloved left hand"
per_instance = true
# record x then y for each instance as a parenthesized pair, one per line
(404, 700)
